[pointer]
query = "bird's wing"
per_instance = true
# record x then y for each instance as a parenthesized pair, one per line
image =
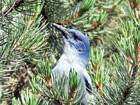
(87, 81)
(88, 85)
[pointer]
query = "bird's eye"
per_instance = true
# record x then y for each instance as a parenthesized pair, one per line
(75, 37)
(80, 50)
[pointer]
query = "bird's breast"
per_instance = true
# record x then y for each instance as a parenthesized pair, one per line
(66, 63)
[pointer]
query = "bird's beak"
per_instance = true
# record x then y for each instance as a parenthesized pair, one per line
(63, 30)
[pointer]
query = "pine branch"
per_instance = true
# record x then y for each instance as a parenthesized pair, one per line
(128, 90)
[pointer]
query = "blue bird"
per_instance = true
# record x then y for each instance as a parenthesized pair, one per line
(75, 56)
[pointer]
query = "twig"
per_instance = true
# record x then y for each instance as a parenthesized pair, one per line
(16, 4)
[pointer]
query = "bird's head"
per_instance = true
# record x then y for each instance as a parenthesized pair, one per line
(76, 43)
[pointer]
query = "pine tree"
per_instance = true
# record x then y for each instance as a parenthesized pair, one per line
(30, 47)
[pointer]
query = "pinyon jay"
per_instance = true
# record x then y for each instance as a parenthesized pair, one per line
(75, 56)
